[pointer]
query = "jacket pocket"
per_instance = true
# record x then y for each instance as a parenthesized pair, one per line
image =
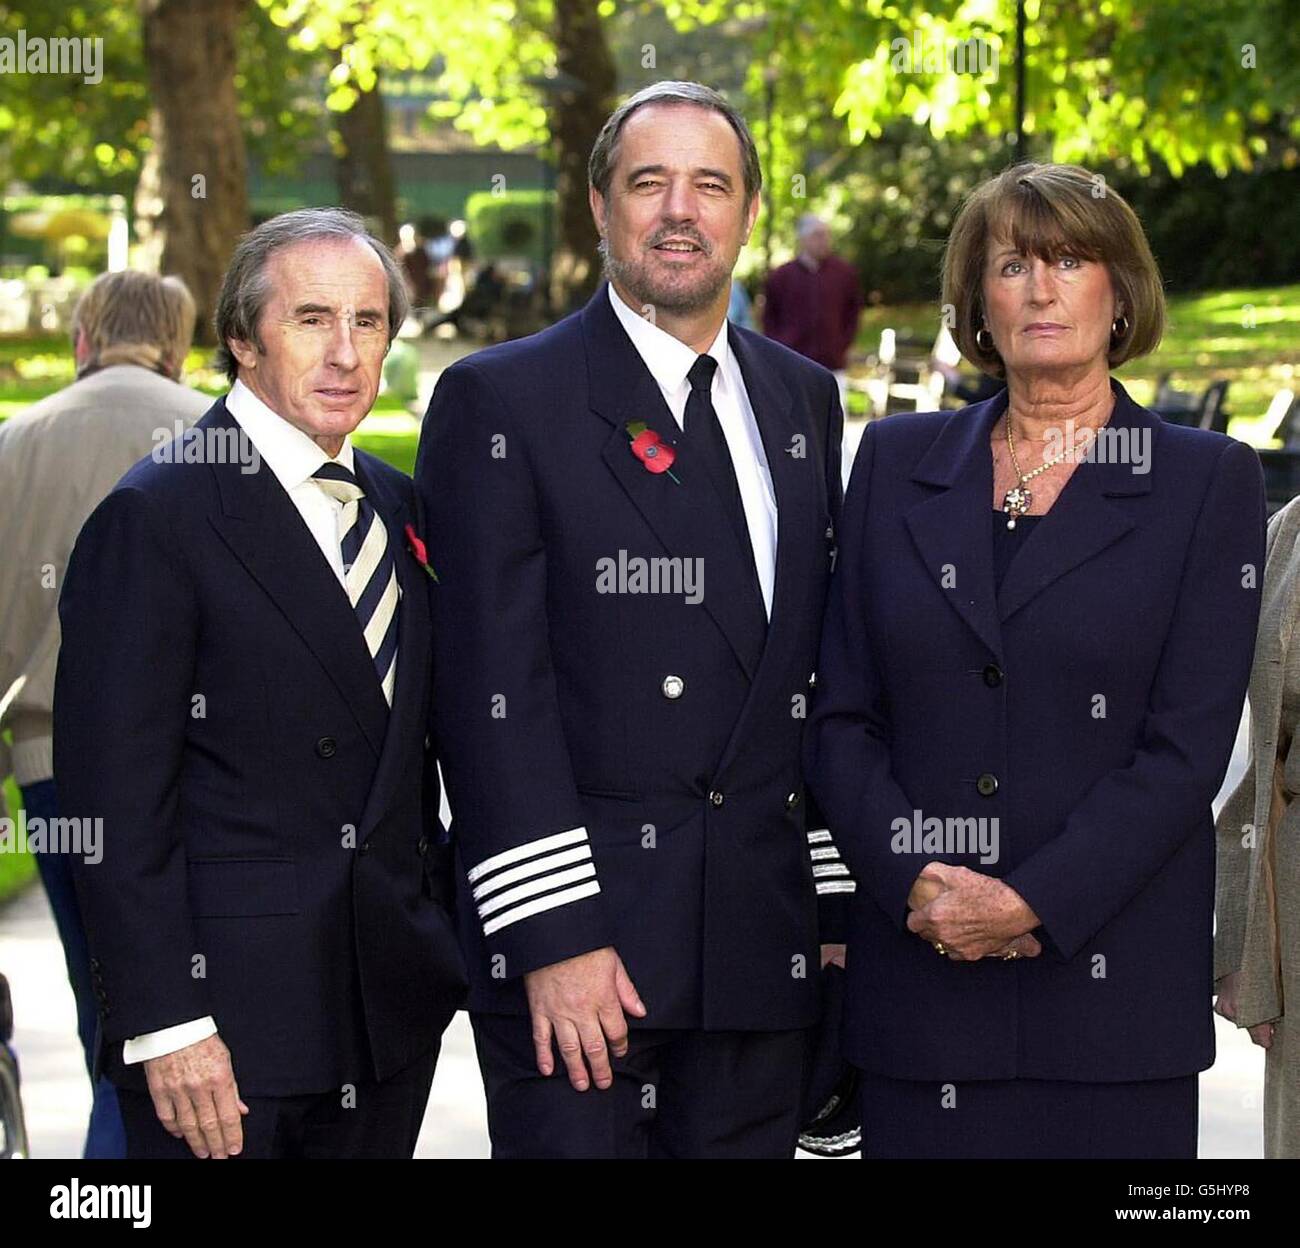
(236, 888)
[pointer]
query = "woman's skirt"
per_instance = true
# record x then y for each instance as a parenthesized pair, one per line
(1028, 1118)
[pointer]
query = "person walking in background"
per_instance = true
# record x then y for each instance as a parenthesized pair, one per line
(1257, 933)
(813, 303)
(1037, 646)
(58, 459)
(417, 269)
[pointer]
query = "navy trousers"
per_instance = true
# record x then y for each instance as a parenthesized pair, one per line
(370, 1121)
(105, 1138)
(676, 1094)
(1017, 1119)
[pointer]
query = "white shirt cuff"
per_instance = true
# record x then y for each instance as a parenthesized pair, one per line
(159, 1043)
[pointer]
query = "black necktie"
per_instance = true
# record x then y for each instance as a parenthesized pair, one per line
(704, 437)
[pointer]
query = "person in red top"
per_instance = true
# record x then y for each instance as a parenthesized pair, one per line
(814, 301)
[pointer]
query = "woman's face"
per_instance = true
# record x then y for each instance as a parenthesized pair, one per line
(1047, 315)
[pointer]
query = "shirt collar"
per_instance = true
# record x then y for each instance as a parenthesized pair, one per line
(289, 452)
(668, 359)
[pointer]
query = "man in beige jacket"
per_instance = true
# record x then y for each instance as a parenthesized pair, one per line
(1257, 905)
(58, 460)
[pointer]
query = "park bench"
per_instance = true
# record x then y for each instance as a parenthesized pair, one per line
(1180, 407)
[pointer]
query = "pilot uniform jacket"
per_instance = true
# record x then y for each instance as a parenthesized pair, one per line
(623, 768)
(270, 837)
(1089, 706)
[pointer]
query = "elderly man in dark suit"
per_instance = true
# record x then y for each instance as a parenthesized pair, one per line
(632, 521)
(242, 698)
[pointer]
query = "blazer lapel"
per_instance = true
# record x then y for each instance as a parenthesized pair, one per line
(686, 515)
(801, 537)
(407, 720)
(1083, 521)
(264, 530)
(796, 478)
(951, 529)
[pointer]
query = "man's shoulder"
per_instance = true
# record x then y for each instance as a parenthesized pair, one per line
(514, 363)
(384, 475)
(841, 265)
(111, 400)
(144, 387)
(783, 272)
(787, 362)
(40, 414)
(179, 481)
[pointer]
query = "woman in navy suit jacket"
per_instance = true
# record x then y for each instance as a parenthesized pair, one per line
(1035, 657)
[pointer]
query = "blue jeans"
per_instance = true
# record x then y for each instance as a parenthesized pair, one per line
(105, 1136)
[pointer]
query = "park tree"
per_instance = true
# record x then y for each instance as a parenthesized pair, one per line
(191, 201)
(516, 73)
(1137, 84)
(1147, 86)
(187, 89)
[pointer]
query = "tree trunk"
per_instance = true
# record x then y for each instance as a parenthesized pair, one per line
(578, 108)
(192, 198)
(363, 169)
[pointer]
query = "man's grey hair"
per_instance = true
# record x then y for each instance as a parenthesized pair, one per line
(604, 155)
(246, 286)
(809, 223)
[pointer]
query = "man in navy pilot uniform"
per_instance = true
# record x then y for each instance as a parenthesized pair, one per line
(623, 656)
(243, 698)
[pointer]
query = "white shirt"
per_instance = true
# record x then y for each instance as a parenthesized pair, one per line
(669, 361)
(292, 456)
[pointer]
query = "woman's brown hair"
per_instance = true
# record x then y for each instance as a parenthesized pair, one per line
(1050, 211)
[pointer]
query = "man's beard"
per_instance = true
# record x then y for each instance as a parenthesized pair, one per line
(666, 292)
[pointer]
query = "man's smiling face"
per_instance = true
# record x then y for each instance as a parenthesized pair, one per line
(675, 218)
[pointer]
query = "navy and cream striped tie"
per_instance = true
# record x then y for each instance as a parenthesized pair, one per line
(369, 572)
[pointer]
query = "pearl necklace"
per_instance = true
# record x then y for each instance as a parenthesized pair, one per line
(1018, 499)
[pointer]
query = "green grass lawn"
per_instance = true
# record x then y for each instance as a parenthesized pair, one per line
(16, 870)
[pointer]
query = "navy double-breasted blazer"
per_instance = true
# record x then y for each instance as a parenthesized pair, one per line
(623, 767)
(270, 837)
(1089, 706)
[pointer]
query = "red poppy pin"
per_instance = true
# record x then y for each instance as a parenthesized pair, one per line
(655, 454)
(420, 551)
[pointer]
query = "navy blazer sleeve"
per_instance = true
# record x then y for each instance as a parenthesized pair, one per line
(849, 733)
(517, 818)
(123, 689)
(1134, 819)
